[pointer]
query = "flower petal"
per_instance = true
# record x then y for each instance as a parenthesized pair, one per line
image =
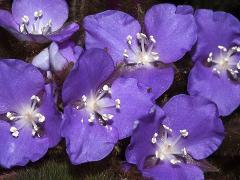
(134, 104)
(92, 69)
(70, 51)
(156, 79)
(58, 14)
(57, 60)
(214, 29)
(64, 34)
(18, 82)
(7, 21)
(177, 172)
(19, 151)
(53, 117)
(86, 142)
(174, 30)
(199, 117)
(222, 91)
(109, 30)
(41, 60)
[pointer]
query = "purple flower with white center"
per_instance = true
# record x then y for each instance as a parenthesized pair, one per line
(99, 109)
(170, 33)
(56, 57)
(39, 20)
(29, 121)
(171, 143)
(216, 72)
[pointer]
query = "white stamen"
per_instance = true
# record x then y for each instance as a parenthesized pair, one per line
(184, 151)
(167, 128)
(25, 19)
(106, 88)
(238, 65)
(125, 53)
(14, 131)
(34, 132)
(184, 132)
(38, 14)
(174, 161)
(222, 48)
(22, 28)
(10, 116)
(152, 39)
(107, 117)
(40, 117)
(129, 39)
(34, 97)
(91, 118)
(84, 98)
(154, 138)
(118, 103)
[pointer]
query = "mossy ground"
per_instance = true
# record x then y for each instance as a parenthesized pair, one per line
(55, 165)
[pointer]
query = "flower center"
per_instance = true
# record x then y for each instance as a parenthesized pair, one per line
(29, 115)
(226, 62)
(37, 27)
(95, 105)
(167, 147)
(140, 54)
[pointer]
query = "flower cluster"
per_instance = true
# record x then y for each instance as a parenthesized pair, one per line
(110, 92)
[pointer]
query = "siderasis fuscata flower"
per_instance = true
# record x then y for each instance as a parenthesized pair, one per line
(57, 56)
(39, 20)
(169, 143)
(170, 33)
(29, 121)
(99, 110)
(215, 74)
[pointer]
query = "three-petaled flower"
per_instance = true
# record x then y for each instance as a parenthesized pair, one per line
(169, 143)
(99, 109)
(216, 72)
(29, 121)
(170, 33)
(38, 21)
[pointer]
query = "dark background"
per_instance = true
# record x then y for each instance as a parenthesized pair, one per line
(55, 165)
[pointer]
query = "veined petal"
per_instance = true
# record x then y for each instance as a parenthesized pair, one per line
(173, 28)
(109, 30)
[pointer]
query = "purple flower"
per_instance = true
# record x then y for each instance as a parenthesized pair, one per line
(169, 143)
(56, 57)
(99, 109)
(39, 21)
(170, 33)
(215, 74)
(29, 122)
